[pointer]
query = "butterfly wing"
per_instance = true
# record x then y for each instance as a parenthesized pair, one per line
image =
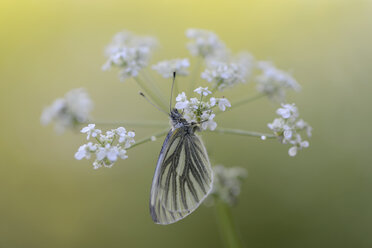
(183, 177)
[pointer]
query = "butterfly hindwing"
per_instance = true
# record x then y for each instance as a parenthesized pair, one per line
(183, 177)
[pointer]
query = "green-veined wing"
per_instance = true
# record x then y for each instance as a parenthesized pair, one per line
(183, 177)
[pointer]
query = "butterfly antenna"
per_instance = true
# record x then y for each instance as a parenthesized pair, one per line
(148, 100)
(171, 97)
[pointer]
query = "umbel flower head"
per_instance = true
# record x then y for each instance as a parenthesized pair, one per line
(226, 71)
(274, 82)
(107, 148)
(227, 183)
(200, 110)
(223, 75)
(204, 43)
(288, 127)
(66, 112)
(129, 52)
(166, 68)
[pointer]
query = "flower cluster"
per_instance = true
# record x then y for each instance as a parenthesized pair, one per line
(226, 71)
(109, 147)
(200, 111)
(274, 82)
(288, 126)
(227, 183)
(223, 75)
(129, 52)
(204, 43)
(66, 112)
(167, 67)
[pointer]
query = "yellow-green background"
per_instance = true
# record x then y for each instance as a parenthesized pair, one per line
(321, 198)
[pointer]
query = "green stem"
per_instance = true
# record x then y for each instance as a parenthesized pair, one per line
(154, 86)
(156, 99)
(242, 102)
(149, 138)
(129, 123)
(242, 132)
(228, 228)
(195, 74)
(99, 141)
(176, 88)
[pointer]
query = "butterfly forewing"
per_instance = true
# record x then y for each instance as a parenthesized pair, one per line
(183, 177)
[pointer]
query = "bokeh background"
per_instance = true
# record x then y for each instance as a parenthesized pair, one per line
(321, 198)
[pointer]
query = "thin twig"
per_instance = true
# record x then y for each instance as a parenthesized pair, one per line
(195, 74)
(160, 102)
(241, 102)
(149, 138)
(153, 85)
(149, 124)
(242, 132)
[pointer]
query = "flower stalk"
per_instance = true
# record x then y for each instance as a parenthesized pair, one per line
(150, 138)
(226, 224)
(195, 73)
(243, 133)
(144, 124)
(243, 101)
(153, 85)
(157, 100)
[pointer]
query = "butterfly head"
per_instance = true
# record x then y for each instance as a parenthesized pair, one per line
(177, 118)
(179, 121)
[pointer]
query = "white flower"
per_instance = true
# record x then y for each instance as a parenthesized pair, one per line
(121, 132)
(181, 101)
(102, 152)
(129, 139)
(227, 183)
(204, 43)
(288, 111)
(166, 68)
(106, 151)
(287, 128)
(85, 151)
(287, 132)
(203, 91)
(292, 151)
(66, 112)
(298, 144)
(125, 137)
(129, 52)
(79, 104)
(109, 152)
(198, 111)
(223, 75)
(108, 137)
(274, 82)
(302, 125)
(91, 131)
(223, 103)
(208, 122)
(51, 113)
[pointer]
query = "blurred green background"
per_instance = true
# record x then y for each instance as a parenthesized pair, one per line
(321, 198)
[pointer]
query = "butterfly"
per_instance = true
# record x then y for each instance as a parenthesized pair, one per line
(183, 176)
